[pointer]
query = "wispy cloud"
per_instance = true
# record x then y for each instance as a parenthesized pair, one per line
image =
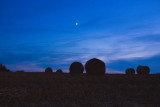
(108, 48)
(27, 67)
(113, 71)
(116, 47)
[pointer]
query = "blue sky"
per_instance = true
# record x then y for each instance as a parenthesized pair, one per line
(35, 34)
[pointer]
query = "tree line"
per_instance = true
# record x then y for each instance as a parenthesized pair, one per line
(3, 68)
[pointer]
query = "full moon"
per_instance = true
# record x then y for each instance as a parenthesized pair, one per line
(76, 23)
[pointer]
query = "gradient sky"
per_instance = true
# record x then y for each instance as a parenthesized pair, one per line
(35, 34)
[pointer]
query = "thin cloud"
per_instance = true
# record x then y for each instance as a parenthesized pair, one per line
(27, 67)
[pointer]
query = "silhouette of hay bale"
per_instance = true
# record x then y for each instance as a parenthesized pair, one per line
(59, 71)
(48, 69)
(130, 71)
(95, 67)
(143, 69)
(76, 68)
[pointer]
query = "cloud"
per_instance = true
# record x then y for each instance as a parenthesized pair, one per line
(61, 53)
(113, 71)
(27, 67)
(116, 47)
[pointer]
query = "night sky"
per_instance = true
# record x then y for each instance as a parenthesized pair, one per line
(35, 34)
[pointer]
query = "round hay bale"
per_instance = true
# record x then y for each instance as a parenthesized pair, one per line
(95, 67)
(130, 71)
(143, 69)
(59, 71)
(48, 69)
(76, 68)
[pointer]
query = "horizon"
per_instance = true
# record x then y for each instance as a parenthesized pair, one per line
(35, 35)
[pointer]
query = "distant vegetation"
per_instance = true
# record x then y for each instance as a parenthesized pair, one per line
(3, 68)
(20, 71)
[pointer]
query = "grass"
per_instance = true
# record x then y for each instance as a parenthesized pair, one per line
(65, 90)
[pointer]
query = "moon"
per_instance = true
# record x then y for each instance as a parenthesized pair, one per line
(76, 23)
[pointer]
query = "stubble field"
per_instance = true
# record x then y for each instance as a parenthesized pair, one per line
(66, 90)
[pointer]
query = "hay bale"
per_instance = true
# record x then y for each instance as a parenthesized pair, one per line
(130, 71)
(143, 69)
(95, 67)
(59, 71)
(48, 69)
(76, 68)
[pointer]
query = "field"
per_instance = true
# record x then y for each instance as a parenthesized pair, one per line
(66, 90)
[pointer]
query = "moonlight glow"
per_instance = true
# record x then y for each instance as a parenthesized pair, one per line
(76, 23)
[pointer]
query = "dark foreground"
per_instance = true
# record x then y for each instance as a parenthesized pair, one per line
(65, 90)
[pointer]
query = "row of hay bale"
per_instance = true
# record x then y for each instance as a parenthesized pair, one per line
(49, 69)
(140, 70)
(92, 67)
(97, 67)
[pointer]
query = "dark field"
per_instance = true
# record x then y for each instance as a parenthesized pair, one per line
(66, 90)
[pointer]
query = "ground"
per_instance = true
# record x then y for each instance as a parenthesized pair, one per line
(66, 90)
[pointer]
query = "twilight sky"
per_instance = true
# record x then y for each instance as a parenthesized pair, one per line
(35, 34)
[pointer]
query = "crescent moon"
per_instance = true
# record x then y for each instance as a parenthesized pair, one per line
(76, 23)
